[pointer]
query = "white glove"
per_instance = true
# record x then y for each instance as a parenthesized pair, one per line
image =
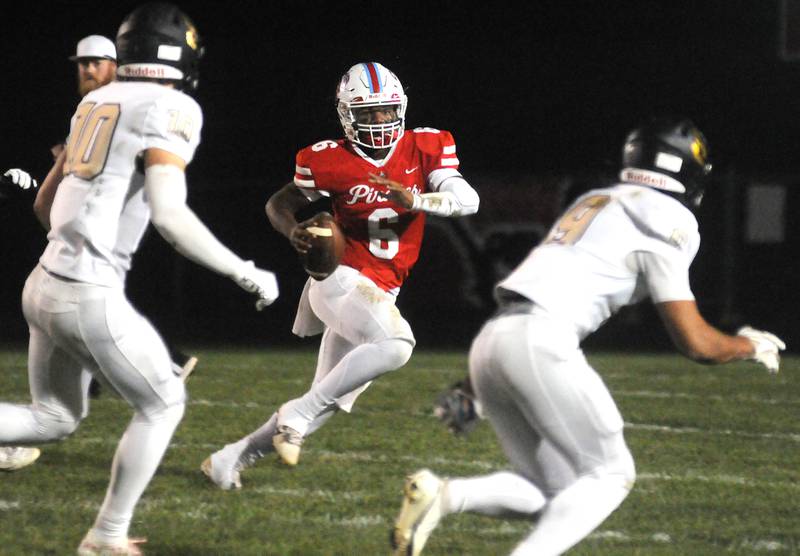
(766, 347)
(260, 282)
(21, 178)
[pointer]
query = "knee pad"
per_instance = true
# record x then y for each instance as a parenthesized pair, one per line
(174, 413)
(170, 415)
(51, 427)
(620, 468)
(627, 469)
(396, 352)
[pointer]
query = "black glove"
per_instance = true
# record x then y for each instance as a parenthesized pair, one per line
(457, 408)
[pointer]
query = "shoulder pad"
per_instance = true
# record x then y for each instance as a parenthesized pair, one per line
(433, 141)
(325, 147)
(661, 216)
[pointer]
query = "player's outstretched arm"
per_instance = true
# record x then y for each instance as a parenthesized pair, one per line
(452, 195)
(281, 209)
(700, 341)
(165, 185)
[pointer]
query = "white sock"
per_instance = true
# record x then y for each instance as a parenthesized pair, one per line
(18, 424)
(23, 424)
(258, 443)
(138, 454)
(502, 494)
(574, 513)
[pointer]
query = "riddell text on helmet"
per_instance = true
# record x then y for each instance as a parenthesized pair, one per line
(646, 178)
(143, 71)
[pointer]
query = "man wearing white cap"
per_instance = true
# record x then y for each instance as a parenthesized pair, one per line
(96, 57)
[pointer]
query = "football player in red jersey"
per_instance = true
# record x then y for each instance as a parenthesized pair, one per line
(382, 181)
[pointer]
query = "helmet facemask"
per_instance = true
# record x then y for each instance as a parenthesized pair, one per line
(372, 136)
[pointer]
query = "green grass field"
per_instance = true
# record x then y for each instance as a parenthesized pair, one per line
(717, 452)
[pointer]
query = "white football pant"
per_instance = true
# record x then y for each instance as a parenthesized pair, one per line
(258, 443)
(558, 426)
(77, 329)
(367, 337)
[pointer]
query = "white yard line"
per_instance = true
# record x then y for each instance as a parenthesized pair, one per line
(657, 394)
(793, 437)
(719, 479)
(201, 512)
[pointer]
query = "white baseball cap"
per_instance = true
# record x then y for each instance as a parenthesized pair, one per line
(95, 46)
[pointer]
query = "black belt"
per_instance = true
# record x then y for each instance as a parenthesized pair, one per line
(59, 277)
(512, 303)
(506, 297)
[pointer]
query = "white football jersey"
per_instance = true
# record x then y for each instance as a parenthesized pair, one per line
(100, 213)
(613, 247)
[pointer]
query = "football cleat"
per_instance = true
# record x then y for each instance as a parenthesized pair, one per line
(92, 546)
(182, 365)
(287, 443)
(223, 469)
(188, 368)
(187, 365)
(419, 515)
(13, 458)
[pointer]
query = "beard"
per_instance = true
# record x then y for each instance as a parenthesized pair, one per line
(86, 86)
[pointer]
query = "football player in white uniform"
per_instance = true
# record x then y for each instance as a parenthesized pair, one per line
(74, 302)
(15, 183)
(96, 61)
(552, 413)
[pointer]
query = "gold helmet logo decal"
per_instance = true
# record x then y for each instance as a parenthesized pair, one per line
(699, 150)
(191, 37)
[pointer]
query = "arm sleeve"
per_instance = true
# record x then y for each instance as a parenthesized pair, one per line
(165, 187)
(452, 195)
(667, 277)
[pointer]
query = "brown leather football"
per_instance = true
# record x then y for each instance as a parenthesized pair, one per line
(327, 246)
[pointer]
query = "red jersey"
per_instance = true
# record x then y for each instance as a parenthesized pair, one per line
(383, 239)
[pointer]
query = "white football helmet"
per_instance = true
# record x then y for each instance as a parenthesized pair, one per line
(365, 85)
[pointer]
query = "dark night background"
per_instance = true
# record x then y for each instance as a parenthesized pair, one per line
(538, 98)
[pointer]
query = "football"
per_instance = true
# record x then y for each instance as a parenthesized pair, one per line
(327, 246)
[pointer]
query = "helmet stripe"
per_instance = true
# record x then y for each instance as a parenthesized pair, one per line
(374, 77)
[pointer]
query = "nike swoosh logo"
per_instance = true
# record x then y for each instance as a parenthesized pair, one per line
(408, 171)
